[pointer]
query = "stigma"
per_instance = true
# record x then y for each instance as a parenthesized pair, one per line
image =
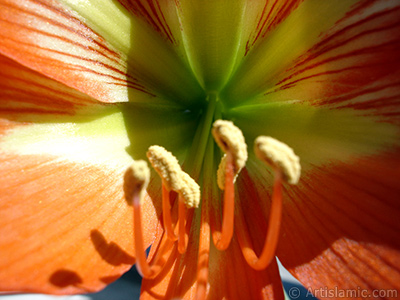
(181, 196)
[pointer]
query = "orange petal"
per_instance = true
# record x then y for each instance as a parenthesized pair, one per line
(49, 38)
(27, 95)
(340, 225)
(65, 228)
(65, 225)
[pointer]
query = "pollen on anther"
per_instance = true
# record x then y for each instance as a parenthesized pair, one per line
(231, 140)
(278, 155)
(166, 165)
(136, 179)
(190, 191)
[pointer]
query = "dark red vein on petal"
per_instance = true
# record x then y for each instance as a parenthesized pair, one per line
(77, 67)
(365, 50)
(150, 16)
(319, 48)
(92, 37)
(277, 13)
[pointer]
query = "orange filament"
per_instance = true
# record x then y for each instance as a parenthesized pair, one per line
(167, 214)
(181, 224)
(143, 267)
(204, 253)
(274, 224)
(183, 237)
(222, 239)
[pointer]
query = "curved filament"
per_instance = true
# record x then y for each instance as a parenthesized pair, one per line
(274, 224)
(143, 267)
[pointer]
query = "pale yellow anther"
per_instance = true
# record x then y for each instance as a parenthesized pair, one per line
(167, 167)
(278, 155)
(190, 191)
(231, 140)
(173, 177)
(136, 179)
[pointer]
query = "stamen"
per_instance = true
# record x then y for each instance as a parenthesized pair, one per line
(222, 239)
(167, 166)
(278, 155)
(286, 166)
(174, 179)
(274, 224)
(230, 139)
(136, 180)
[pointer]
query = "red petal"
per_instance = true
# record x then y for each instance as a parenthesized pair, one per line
(358, 56)
(341, 228)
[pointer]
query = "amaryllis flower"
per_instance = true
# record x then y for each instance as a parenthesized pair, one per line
(87, 86)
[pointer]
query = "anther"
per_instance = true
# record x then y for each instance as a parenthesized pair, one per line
(230, 139)
(173, 177)
(136, 180)
(278, 155)
(190, 191)
(166, 165)
(286, 167)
